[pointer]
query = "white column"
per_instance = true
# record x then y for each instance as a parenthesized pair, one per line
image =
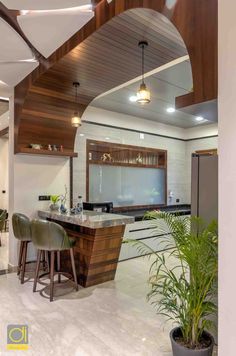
(227, 177)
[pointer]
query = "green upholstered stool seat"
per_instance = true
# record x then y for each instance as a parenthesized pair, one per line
(21, 227)
(51, 237)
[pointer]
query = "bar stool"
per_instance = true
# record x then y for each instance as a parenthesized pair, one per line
(51, 237)
(22, 231)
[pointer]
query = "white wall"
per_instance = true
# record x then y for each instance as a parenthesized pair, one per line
(227, 176)
(176, 156)
(34, 176)
(179, 152)
(4, 145)
(31, 176)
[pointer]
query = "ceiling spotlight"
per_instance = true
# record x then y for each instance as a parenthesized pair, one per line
(143, 94)
(76, 120)
(133, 98)
(199, 118)
(170, 110)
(81, 134)
(107, 138)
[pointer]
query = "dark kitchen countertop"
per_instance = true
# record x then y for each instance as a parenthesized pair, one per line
(138, 214)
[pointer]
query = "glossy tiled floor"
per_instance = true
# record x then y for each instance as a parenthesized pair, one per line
(112, 319)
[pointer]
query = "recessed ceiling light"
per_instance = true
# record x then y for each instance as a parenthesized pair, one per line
(133, 98)
(141, 136)
(81, 134)
(199, 118)
(170, 110)
(107, 138)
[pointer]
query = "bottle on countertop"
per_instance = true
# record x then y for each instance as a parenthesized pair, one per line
(80, 204)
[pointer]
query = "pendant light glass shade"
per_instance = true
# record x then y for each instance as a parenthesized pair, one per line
(76, 119)
(143, 94)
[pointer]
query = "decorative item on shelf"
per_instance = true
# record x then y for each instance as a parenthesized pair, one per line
(76, 120)
(139, 158)
(63, 199)
(61, 148)
(49, 147)
(54, 200)
(35, 146)
(143, 94)
(90, 156)
(55, 148)
(106, 157)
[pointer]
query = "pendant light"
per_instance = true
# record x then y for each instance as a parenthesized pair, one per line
(143, 94)
(76, 120)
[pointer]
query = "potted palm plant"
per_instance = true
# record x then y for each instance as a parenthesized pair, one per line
(186, 292)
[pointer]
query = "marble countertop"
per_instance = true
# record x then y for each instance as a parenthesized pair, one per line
(91, 219)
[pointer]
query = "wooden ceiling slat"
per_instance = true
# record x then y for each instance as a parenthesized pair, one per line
(104, 54)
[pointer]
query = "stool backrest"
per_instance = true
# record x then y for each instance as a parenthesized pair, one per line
(3, 216)
(21, 227)
(49, 236)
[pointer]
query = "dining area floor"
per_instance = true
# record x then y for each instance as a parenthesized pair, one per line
(111, 319)
(105, 320)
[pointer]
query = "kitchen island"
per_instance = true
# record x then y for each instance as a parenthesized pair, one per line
(98, 243)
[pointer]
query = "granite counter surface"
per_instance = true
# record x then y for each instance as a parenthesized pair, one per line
(90, 219)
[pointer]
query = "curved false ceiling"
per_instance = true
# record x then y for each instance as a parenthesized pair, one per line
(48, 31)
(12, 45)
(43, 4)
(104, 54)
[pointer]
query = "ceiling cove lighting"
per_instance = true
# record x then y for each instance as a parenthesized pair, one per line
(143, 94)
(76, 120)
(170, 110)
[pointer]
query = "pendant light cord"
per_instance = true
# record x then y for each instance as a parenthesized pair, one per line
(143, 64)
(76, 97)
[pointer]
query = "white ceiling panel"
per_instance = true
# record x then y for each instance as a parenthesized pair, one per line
(12, 46)
(43, 4)
(5, 90)
(13, 73)
(165, 86)
(48, 31)
(4, 120)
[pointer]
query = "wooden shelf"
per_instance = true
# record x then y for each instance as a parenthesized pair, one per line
(116, 154)
(65, 153)
(123, 164)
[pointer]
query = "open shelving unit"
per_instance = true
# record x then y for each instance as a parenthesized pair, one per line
(119, 155)
(106, 153)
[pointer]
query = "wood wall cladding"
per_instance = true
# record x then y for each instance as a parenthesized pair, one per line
(104, 54)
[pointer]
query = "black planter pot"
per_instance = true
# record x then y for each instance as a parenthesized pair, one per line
(179, 350)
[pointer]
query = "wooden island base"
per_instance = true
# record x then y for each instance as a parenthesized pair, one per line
(96, 253)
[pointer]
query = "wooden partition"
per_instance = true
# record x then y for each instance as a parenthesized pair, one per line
(103, 55)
